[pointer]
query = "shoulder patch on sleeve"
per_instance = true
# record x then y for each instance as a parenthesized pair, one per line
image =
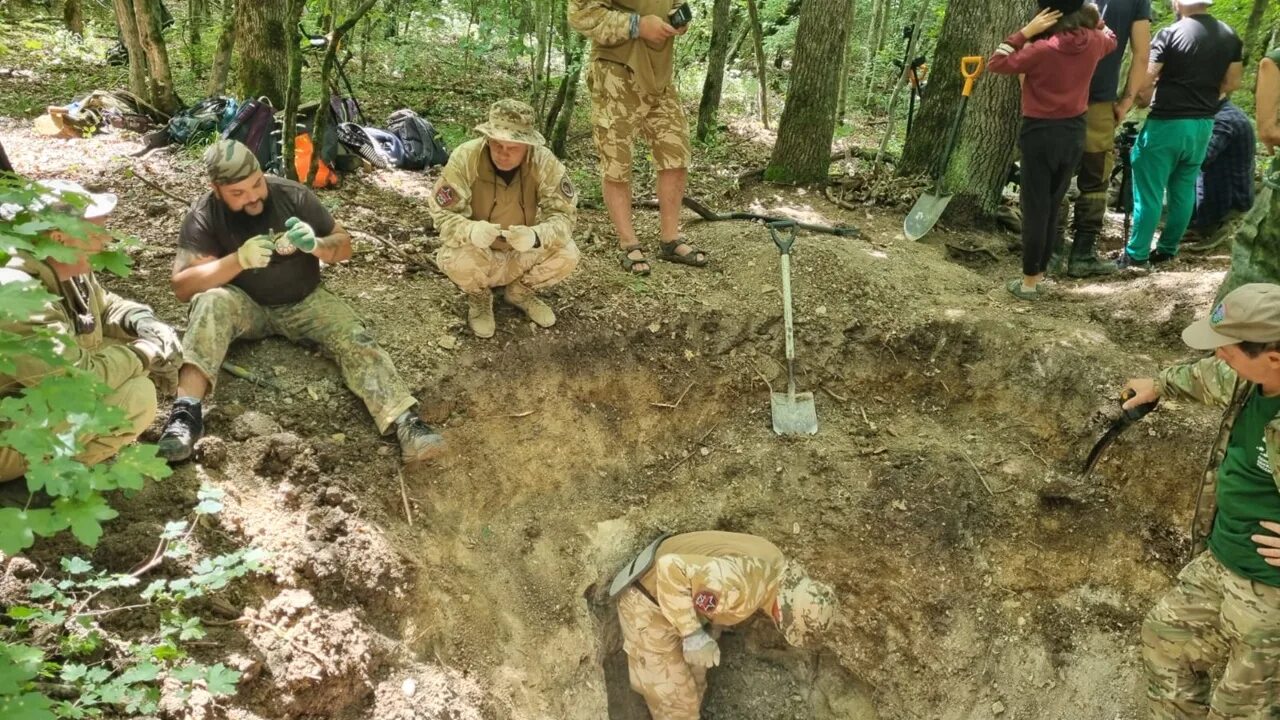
(706, 602)
(446, 196)
(566, 187)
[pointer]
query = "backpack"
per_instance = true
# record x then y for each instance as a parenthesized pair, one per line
(423, 147)
(302, 152)
(255, 126)
(197, 122)
(379, 147)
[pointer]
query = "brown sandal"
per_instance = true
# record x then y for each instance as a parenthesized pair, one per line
(628, 263)
(694, 258)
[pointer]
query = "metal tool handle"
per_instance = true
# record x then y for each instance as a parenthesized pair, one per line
(784, 243)
(1134, 414)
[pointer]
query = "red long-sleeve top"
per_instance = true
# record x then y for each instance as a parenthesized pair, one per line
(1058, 69)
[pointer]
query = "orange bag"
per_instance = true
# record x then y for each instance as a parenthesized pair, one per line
(302, 150)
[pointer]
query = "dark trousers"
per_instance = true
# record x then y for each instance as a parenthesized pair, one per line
(1051, 151)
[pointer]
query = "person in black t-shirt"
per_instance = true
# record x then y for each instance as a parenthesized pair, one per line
(248, 259)
(1195, 63)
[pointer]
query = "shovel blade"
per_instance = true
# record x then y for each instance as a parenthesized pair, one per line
(924, 214)
(794, 414)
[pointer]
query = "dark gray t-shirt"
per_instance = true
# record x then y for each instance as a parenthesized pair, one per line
(1195, 52)
(210, 228)
(1119, 15)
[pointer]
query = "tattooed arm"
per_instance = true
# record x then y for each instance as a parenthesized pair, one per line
(194, 273)
(334, 247)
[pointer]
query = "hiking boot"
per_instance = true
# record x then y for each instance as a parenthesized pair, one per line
(418, 441)
(480, 314)
(1057, 265)
(522, 297)
(1159, 258)
(1089, 267)
(1126, 263)
(184, 427)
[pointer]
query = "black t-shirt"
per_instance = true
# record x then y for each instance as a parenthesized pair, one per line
(210, 228)
(1119, 15)
(1196, 52)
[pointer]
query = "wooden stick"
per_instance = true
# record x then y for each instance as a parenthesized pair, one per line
(404, 497)
(833, 394)
(985, 484)
(678, 400)
(155, 186)
(697, 444)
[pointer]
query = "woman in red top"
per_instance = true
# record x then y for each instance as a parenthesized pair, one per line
(1056, 52)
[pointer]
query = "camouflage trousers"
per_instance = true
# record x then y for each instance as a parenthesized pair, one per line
(671, 687)
(619, 110)
(224, 314)
(1213, 614)
(137, 397)
(475, 269)
(1255, 249)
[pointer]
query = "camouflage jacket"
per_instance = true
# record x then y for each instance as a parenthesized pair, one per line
(1213, 382)
(100, 349)
(451, 207)
(607, 23)
(720, 576)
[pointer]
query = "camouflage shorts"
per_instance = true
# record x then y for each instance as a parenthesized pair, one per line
(1255, 250)
(475, 269)
(1212, 616)
(224, 314)
(619, 110)
(671, 687)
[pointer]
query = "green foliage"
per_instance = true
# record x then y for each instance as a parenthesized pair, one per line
(56, 638)
(47, 423)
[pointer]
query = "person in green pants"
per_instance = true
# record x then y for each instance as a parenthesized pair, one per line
(1255, 248)
(1194, 63)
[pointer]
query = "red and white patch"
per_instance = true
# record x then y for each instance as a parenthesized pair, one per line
(445, 196)
(706, 602)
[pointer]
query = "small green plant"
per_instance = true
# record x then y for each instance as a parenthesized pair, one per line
(57, 661)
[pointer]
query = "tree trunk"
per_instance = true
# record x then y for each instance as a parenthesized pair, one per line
(222, 56)
(714, 82)
(980, 164)
(335, 35)
(903, 80)
(128, 25)
(560, 135)
(1251, 28)
(73, 17)
(293, 96)
(868, 65)
(159, 76)
(846, 62)
(762, 70)
(803, 151)
(572, 67)
(263, 40)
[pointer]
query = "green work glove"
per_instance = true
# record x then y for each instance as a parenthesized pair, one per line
(700, 649)
(300, 234)
(256, 252)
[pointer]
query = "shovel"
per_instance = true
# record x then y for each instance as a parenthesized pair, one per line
(925, 213)
(1127, 418)
(793, 413)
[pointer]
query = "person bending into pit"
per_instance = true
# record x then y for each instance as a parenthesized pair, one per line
(248, 259)
(674, 598)
(119, 341)
(1225, 608)
(1057, 51)
(505, 208)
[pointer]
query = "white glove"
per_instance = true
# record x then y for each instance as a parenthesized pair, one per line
(522, 238)
(484, 233)
(700, 650)
(255, 252)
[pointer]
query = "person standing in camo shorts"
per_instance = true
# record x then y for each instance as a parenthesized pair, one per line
(630, 77)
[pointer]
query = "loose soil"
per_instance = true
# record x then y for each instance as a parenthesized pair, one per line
(978, 576)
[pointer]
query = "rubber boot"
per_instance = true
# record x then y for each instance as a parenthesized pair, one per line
(522, 297)
(480, 313)
(1083, 262)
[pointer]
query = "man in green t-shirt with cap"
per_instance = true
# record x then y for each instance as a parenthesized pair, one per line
(1226, 605)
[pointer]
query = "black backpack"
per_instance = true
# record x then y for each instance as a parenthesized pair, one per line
(255, 126)
(423, 147)
(201, 120)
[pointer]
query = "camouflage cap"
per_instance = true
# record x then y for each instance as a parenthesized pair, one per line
(230, 161)
(1250, 313)
(511, 121)
(807, 606)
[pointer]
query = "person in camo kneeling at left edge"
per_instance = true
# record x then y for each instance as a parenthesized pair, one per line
(248, 259)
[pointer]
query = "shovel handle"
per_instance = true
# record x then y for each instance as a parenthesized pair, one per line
(784, 243)
(970, 68)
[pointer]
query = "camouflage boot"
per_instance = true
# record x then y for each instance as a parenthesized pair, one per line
(522, 297)
(480, 314)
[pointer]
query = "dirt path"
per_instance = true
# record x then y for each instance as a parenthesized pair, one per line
(978, 577)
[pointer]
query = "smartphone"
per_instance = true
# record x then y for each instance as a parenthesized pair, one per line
(681, 16)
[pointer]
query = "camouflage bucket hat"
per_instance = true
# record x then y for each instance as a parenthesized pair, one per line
(511, 121)
(230, 161)
(808, 606)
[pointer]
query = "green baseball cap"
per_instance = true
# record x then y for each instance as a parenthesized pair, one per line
(1250, 313)
(511, 121)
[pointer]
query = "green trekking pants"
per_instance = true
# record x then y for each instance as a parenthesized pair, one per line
(1166, 162)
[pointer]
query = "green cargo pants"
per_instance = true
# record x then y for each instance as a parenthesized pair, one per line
(224, 314)
(1166, 161)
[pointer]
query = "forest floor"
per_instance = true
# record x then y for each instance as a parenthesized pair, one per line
(978, 576)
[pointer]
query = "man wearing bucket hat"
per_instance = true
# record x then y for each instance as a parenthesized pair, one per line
(505, 208)
(1226, 605)
(121, 342)
(680, 585)
(630, 78)
(248, 259)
